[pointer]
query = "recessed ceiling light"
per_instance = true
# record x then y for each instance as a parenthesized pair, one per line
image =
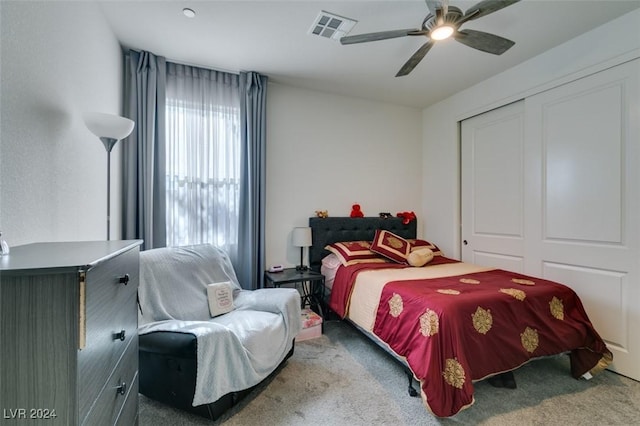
(189, 13)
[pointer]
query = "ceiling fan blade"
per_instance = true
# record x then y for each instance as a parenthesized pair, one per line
(415, 59)
(486, 42)
(383, 35)
(486, 7)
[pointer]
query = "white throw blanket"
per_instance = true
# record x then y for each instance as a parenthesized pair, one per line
(235, 350)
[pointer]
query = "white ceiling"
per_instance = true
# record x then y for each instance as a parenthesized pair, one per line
(272, 37)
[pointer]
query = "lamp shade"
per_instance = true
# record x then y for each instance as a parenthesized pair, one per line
(301, 237)
(108, 125)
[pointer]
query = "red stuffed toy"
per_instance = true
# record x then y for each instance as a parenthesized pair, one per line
(355, 211)
(406, 217)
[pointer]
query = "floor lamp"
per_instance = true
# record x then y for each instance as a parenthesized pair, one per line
(110, 129)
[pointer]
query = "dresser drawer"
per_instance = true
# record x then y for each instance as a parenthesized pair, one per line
(129, 412)
(110, 310)
(119, 397)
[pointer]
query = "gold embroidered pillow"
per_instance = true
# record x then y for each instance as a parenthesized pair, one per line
(391, 246)
(420, 257)
(352, 252)
(417, 244)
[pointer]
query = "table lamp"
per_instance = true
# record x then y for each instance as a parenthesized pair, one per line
(301, 238)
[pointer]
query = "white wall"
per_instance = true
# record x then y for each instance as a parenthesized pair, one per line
(58, 60)
(327, 152)
(603, 47)
(61, 59)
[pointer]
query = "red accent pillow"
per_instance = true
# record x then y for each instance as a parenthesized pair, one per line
(418, 244)
(391, 246)
(352, 252)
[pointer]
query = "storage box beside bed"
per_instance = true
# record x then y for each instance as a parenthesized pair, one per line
(311, 325)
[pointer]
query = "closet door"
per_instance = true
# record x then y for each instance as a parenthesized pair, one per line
(582, 203)
(493, 188)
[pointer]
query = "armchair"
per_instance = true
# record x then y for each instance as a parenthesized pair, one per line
(200, 363)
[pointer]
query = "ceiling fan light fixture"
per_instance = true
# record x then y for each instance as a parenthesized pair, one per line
(442, 22)
(441, 32)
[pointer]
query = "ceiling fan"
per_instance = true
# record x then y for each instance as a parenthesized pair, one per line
(443, 22)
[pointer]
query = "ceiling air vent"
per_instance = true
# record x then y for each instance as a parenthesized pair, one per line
(332, 26)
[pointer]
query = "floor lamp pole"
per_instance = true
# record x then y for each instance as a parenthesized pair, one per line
(108, 145)
(108, 195)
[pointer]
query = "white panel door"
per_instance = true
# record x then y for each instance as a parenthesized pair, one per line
(493, 188)
(551, 187)
(582, 157)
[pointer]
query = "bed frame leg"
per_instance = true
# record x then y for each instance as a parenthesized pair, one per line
(412, 391)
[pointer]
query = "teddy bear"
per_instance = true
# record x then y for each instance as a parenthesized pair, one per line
(355, 211)
(406, 217)
(322, 213)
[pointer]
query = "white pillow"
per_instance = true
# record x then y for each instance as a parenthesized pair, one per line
(420, 257)
(331, 261)
(220, 297)
(329, 268)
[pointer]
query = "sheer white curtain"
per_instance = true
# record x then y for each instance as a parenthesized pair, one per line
(203, 154)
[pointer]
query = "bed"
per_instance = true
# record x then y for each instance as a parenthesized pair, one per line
(451, 323)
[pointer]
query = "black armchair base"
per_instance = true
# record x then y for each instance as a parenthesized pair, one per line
(167, 373)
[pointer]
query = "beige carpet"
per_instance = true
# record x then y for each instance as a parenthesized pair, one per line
(341, 378)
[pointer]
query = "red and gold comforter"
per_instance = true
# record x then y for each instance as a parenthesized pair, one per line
(458, 323)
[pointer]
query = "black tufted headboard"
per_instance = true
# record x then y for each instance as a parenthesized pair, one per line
(335, 229)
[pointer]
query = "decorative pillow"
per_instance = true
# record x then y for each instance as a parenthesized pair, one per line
(417, 244)
(220, 297)
(420, 257)
(352, 252)
(391, 246)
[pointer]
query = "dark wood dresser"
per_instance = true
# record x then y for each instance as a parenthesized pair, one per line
(68, 333)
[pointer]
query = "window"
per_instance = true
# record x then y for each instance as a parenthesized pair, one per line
(202, 162)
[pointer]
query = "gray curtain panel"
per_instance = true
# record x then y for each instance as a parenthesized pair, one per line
(251, 232)
(145, 197)
(144, 155)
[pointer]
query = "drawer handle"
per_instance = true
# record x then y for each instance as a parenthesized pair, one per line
(124, 279)
(122, 389)
(119, 336)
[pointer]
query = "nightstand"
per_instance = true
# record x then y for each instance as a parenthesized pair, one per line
(311, 285)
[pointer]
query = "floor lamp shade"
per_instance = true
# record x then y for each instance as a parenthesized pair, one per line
(301, 237)
(108, 126)
(110, 129)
